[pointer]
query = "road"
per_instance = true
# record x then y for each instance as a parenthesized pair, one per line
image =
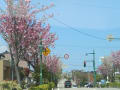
(87, 89)
(61, 87)
(84, 89)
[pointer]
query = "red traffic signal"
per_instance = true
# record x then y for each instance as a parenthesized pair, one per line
(84, 63)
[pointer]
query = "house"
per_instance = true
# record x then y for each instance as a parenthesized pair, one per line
(5, 66)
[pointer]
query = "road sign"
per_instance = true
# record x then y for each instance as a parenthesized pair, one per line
(103, 81)
(110, 38)
(66, 56)
(46, 51)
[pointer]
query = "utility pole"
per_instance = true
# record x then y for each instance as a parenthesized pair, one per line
(94, 70)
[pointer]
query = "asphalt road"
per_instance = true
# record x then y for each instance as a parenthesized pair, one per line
(61, 87)
(87, 89)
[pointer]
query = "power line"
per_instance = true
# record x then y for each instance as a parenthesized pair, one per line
(74, 29)
(86, 47)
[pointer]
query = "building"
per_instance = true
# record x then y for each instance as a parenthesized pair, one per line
(80, 76)
(5, 66)
(4, 70)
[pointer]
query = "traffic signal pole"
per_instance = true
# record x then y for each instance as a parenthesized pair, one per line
(94, 70)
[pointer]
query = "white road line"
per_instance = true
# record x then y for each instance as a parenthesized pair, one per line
(58, 87)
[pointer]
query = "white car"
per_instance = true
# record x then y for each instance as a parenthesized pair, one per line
(74, 86)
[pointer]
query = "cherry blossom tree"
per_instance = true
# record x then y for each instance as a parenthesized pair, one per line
(23, 32)
(106, 69)
(110, 65)
(116, 60)
(54, 66)
(51, 69)
(53, 63)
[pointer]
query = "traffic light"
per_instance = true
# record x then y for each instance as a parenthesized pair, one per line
(84, 63)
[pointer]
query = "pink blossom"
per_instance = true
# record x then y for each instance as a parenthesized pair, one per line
(27, 0)
(23, 32)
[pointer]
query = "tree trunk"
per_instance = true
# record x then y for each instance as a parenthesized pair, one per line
(12, 64)
(17, 73)
(16, 66)
(17, 69)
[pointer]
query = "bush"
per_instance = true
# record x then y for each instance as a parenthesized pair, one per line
(43, 87)
(40, 87)
(52, 84)
(103, 85)
(10, 85)
(114, 84)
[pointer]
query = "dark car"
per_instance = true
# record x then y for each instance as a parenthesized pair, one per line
(67, 84)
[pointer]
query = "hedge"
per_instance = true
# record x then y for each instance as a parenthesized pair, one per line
(9, 85)
(43, 87)
(114, 84)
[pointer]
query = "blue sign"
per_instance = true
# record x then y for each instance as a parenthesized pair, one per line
(103, 81)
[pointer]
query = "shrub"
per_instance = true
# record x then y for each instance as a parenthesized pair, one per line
(52, 84)
(9, 85)
(103, 85)
(115, 84)
(43, 87)
(40, 87)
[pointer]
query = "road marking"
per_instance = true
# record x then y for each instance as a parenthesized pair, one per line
(58, 87)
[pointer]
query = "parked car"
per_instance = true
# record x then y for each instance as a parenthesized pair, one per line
(67, 84)
(75, 86)
(89, 85)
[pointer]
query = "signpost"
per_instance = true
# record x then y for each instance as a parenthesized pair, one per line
(46, 52)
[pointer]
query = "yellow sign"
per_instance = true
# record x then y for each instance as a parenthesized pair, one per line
(46, 51)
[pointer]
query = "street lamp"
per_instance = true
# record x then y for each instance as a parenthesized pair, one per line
(93, 66)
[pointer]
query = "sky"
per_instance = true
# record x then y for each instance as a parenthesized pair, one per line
(98, 18)
(81, 26)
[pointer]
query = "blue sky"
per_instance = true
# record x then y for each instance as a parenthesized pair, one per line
(95, 17)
